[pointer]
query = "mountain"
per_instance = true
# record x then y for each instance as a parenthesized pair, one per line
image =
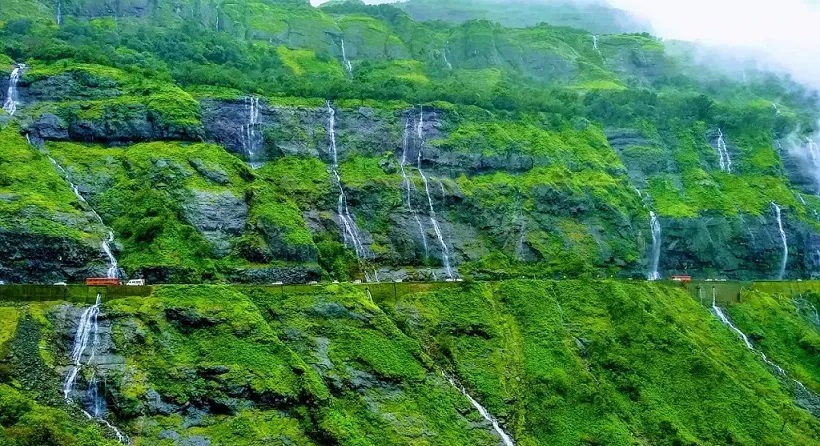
(469, 149)
(592, 16)
(555, 363)
(482, 199)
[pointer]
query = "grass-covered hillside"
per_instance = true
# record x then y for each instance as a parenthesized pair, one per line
(565, 362)
(201, 134)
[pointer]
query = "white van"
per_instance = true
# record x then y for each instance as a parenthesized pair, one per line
(136, 282)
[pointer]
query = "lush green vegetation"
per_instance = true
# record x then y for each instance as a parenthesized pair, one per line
(562, 362)
(603, 363)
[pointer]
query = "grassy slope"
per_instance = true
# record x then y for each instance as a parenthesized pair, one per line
(604, 363)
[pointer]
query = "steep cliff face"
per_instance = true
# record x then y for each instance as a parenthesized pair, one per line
(346, 365)
(469, 150)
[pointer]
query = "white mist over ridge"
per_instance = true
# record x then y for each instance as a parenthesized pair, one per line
(781, 35)
(778, 35)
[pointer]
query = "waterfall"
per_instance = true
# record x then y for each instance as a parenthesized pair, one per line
(113, 267)
(59, 12)
(248, 131)
(505, 437)
(801, 389)
(655, 226)
(408, 187)
(807, 309)
(350, 232)
(444, 53)
(723, 154)
(445, 251)
(12, 99)
(348, 66)
(814, 157)
(595, 45)
(83, 351)
(785, 260)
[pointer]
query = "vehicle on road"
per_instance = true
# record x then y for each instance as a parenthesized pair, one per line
(136, 282)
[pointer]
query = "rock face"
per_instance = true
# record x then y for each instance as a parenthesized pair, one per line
(218, 216)
(27, 258)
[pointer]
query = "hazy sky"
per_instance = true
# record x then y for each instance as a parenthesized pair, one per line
(787, 32)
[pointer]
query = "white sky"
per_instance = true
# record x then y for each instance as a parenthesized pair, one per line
(786, 32)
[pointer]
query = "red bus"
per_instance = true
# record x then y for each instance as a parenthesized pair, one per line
(680, 278)
(98, 281)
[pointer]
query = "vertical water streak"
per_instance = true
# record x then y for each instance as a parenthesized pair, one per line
(408, 187)
(814, 155)
(505, 437)
(59, 12)
(86, 342)
(801, 389)
(723, 154)
(445, 251)
(113, 271)
(348, 66)
(447, 62)
(655, 226)
(350, 232)
(12, 99)
(595, 45)
(248, 130)
(778, 216)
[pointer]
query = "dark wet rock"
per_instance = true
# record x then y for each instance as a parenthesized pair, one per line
(218, 216)
(30, 258)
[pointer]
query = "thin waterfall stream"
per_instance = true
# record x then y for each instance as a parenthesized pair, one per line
(784, 239)
(725, 158)
(655, 260)
(83, 352)
(12, 96)
(250, 139)
(801, 390)
(350, 232)
(347, 64)
(445, 250)
(113, 271)
(505, 437)
(407, 185)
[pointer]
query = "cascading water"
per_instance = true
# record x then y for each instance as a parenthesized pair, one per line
(345, 61)
(723, 154)
(595, 45)
(350, 232)
(778, 217)
(113, 266)
(445, 251)
(408, 187)
(444, 53)
(83, 352)
(814, 157)
(248, 131)
(802, 392)
(808, 310)
(505, 437)
(655, 226)
(59, 12)
(12, 99)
